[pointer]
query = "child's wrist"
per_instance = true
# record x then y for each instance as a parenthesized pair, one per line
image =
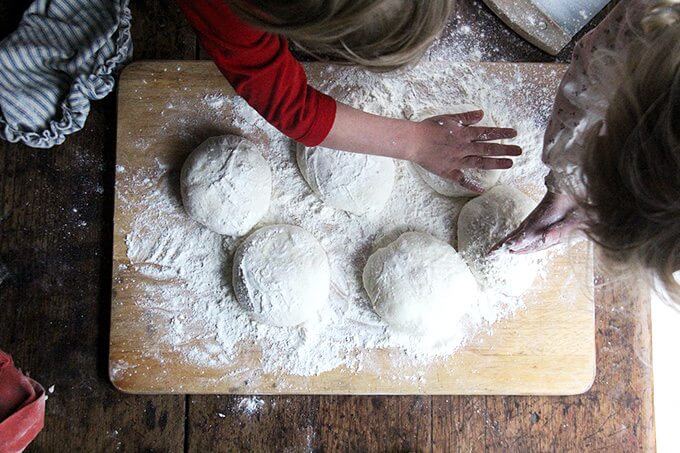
(409, 140)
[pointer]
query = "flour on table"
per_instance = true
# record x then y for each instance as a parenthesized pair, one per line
(250, 405)
(185, 269)
(215, 101)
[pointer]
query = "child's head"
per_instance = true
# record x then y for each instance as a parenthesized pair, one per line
(378, 34)
(632, 169)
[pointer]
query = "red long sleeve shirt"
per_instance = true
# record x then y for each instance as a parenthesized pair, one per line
(262, 70)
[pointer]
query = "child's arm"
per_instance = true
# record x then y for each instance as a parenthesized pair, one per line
(444, 144)
(262, 70)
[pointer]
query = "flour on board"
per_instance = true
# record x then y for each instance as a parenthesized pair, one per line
(187, 268)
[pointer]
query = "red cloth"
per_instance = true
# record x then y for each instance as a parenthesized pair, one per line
(22, 407)
(262, 70)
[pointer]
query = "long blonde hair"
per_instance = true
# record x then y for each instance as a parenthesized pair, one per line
(378, 34)
(632, 170)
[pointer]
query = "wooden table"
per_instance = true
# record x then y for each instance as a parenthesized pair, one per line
(55, 267)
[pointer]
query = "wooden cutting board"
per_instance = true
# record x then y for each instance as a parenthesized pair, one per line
(548, 348)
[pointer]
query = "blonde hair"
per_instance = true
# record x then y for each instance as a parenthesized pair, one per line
(632, 170)
(378, 34)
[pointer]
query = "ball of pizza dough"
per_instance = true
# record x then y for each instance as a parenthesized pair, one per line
(281, 275)
(352, 182)
(226, 185)
(482, 223)
(420, 285)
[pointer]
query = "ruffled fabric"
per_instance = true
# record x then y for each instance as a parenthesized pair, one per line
(64, 54)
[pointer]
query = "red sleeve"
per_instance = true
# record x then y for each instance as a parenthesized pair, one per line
(262, 70)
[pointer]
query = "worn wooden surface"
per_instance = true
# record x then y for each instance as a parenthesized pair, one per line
(517, 359)
(530, 22)
(55, 294)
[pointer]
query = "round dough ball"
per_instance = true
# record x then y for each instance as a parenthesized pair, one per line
(226, 185)
(483, 222)
(419, 285)
(281, 275)
(352, 182)
(446, 187)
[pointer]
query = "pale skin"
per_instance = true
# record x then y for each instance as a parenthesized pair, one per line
(444, 144)
(447, 144)
(555, 218)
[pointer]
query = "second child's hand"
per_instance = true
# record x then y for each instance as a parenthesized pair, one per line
(443, 145)
(555, 218)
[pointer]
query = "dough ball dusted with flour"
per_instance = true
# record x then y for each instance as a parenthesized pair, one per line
(446, 187)
(419, 285)
(356, 183)
(482, 223)
(226, 185)
(281, 275)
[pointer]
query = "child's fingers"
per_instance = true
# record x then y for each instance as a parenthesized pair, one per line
(535, 241)
(525, 246)
(485, 163)
(477, 133)
(510, 240)
(519, 237)
(495, 149)
(459, 177)
(522, 241)
(467, 118)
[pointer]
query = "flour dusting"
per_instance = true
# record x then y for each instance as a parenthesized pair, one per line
(186, 269)
(250, 405)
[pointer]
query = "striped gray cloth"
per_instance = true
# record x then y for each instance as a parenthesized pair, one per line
(64, 54)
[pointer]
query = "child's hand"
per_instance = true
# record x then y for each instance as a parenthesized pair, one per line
(446, 144)
(555, 217)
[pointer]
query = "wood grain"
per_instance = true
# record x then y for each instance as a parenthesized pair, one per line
(518, 358)
(615, 415)
(53, 309)
(55, 267)
(159, 30)
(531, 23)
